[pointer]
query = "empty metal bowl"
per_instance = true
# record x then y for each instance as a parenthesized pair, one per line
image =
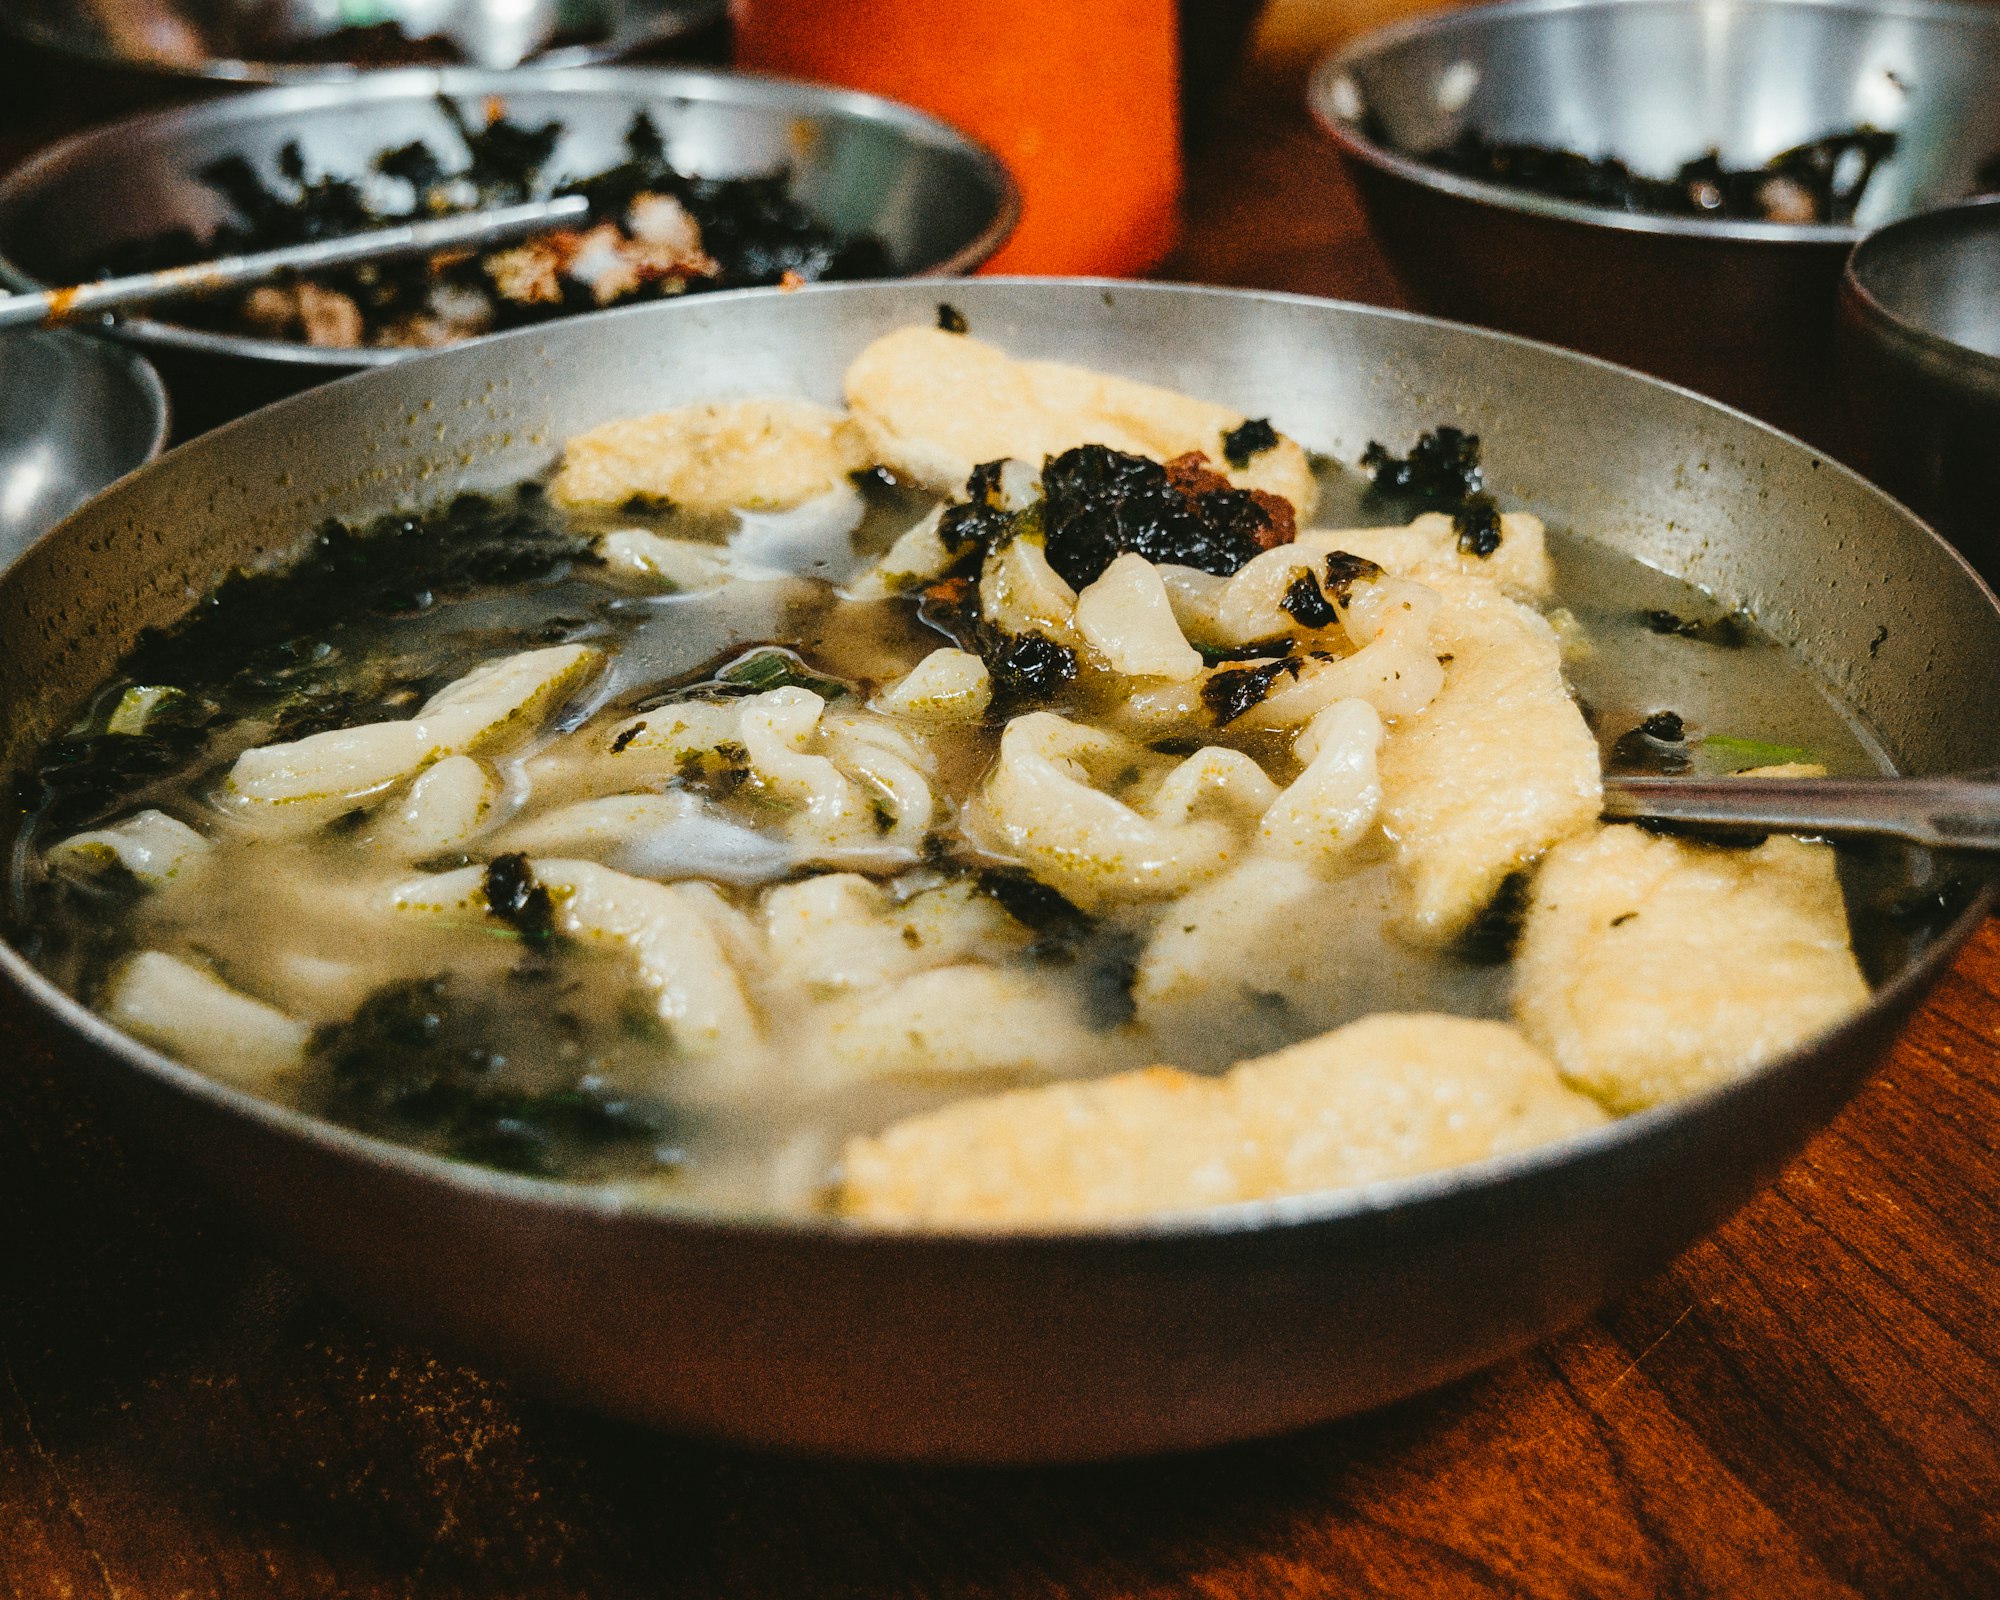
(76, 414)
(940, 202)
(1920, 324)
(293, 41)
(1740, 310)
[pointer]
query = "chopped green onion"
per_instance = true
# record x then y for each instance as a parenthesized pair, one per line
(761, 671)
(137, 705)
(1754, 752)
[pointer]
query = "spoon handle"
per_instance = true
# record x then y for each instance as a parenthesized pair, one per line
(235, 272)
(1960, 813)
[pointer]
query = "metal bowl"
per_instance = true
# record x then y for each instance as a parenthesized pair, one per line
(941, 202)
(832, 1337)
(1740, 310)
(75, 414)
(305, 41)
(1920, 326)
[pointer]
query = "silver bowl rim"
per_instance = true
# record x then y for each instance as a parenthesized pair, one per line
(609, 1202)
(684, 18)
(1338, 65)
(146, 384)
(1959, 362)
(682, 83)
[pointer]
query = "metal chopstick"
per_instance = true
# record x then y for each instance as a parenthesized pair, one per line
(231, 272)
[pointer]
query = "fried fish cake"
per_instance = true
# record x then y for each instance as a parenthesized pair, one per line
(934, 405)
(737, 455)
(1381, 1098)
(1652, 967)
(1497, 769)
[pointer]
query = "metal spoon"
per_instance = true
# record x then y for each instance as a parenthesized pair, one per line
(235, 272)
(1960, 812)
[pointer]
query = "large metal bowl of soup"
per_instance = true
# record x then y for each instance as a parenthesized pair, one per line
(938, 202)
(1920, 329)
(1740, 309)
(824, 1334)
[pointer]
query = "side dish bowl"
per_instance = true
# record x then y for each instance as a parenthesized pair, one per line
(75, 414)
(296, 41)
(1172, 1334)
(1920, 324)
(1741, 310)
(939, 202)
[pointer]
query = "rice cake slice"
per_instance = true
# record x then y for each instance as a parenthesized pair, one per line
(1653, 967)
(934, 405)
(736, 455)
(1382, 1098)
(1497, 769)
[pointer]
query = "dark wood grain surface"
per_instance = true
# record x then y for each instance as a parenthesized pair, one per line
(1806, 1404)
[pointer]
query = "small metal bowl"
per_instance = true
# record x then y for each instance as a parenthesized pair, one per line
(306, 41)
(1920, 347)
(940, 202)
(1740, 310)
(76, 415)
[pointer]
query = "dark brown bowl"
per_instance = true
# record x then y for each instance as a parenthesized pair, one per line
(1920, 346)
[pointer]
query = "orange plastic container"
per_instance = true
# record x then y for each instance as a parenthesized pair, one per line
(1079, 97)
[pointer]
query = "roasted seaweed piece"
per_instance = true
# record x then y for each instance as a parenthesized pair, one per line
(1306, 605)
(981, 518)
(1728, 633)
(1229, 694)
(497, 1077)
(952, 320)
(1254, 437)
(1101, 502)
(1029, 666)
(1478, 524)
(1106, 959)
(1657, 746)
(1214, 655)
(506, 157)
(1490, 938)
(517, 898)
(1820, 181)
(1344, 571)
(1441, 472)
(1023, 666)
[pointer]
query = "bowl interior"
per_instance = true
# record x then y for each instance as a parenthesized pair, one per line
(75, 414)
(1940, 274)
(861, 165)
(1656, 83)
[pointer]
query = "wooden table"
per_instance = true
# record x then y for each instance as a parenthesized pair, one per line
(1807, 1404)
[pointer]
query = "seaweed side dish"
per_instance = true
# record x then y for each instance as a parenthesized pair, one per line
(1821, 181)
(652, 232)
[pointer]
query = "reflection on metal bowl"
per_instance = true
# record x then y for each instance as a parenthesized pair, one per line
(1740, 310)
(1920, 325)
(297, 41)
(75, 414)
(940, 202)
(1187, 1331)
